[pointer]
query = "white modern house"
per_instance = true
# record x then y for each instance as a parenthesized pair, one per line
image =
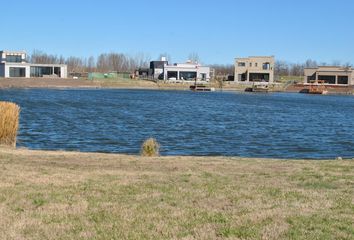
(14, 65)
(188, 71)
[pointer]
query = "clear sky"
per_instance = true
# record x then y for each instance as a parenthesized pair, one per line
(218, 30)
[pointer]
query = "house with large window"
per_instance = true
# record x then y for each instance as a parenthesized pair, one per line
(15, 65)
(331, 75)
(188, 71)
(254, 69)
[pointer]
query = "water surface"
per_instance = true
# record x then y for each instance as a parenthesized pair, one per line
(278, 125)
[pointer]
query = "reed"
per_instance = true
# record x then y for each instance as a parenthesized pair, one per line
(9, 120)
(150, 148)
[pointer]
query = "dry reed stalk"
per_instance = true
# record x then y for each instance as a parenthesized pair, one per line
(150, 148)
(9, 121)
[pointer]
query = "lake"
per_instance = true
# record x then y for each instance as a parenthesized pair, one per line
(275, 125)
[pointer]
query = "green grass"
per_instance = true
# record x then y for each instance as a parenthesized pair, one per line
(58, 195)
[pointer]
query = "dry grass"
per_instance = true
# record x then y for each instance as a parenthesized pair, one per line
(9, 120)
(150, 148)
(59, 195)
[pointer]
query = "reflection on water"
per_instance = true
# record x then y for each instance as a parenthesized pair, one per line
(185, 123)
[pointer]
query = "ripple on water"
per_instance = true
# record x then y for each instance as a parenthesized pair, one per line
(186, 123)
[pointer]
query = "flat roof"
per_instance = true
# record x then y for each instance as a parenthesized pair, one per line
(12, 52)
(254, 57)
(35, 64)
(336, 67)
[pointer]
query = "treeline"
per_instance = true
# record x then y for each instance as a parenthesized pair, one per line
(119, 62)
(105, 62)
(283, 68)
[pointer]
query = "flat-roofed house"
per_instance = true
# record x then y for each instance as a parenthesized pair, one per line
(14, 65)
(188, 71)
(331, 75)
(254, 69)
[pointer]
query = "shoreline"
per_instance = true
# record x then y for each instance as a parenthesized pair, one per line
(27, 151)
(41, 83)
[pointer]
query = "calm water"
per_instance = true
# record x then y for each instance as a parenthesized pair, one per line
(186, 123)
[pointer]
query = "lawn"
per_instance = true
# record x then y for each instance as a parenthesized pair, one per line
(62, 195)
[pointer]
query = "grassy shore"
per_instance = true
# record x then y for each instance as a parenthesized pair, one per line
(61, 195)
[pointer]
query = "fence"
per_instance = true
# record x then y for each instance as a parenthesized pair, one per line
(110, 75)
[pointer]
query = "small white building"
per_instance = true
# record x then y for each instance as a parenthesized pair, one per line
(14, 65)
(186, 72)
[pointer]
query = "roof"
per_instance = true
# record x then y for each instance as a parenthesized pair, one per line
(35, 64)
(254, 57)
(13, 52)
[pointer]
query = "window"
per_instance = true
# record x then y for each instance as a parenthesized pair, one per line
(241, 64)
(242, 77)
(327, 79)
(250, 64)
(342, 79)
(266, 66)
(172, 75)
(188, 75)
(256, 64)
(17, 72)
(259, 77)
(13, 58)
(312, 78)
(40, 71)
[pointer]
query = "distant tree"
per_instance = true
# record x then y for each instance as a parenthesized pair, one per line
(296, 69)
(347, 64)
(224, 70)
(281, 68)
(44, 58)
(336, 63)
(75, 64)
(310, 63)
(142, 60)
(91, 64)
(194, 57)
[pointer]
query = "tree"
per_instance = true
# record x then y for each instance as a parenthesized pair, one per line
(310, 63)
(194, 57)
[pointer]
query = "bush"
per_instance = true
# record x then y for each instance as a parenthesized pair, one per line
(9, 119)
(150, 148)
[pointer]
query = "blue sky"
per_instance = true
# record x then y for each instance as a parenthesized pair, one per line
(218, 31)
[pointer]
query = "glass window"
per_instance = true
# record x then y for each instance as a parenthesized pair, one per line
(327, 79)
(17, 72)
(241, 64)
(266, 66)
(172, 75)
(187, 75)
(13, 58)
(342, 79)
(40, 71)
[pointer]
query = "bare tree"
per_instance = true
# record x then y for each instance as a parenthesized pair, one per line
(194, 57)
(310, 63)
(44, 58)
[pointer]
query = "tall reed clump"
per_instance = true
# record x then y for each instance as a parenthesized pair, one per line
(9, 120)
(150, 148)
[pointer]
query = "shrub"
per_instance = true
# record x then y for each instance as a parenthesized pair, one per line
(150, 148)
(9, 119)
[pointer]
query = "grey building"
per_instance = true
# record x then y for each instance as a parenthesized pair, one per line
(157, 67)
(254, 69)
(331, 75)
(14, 65)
